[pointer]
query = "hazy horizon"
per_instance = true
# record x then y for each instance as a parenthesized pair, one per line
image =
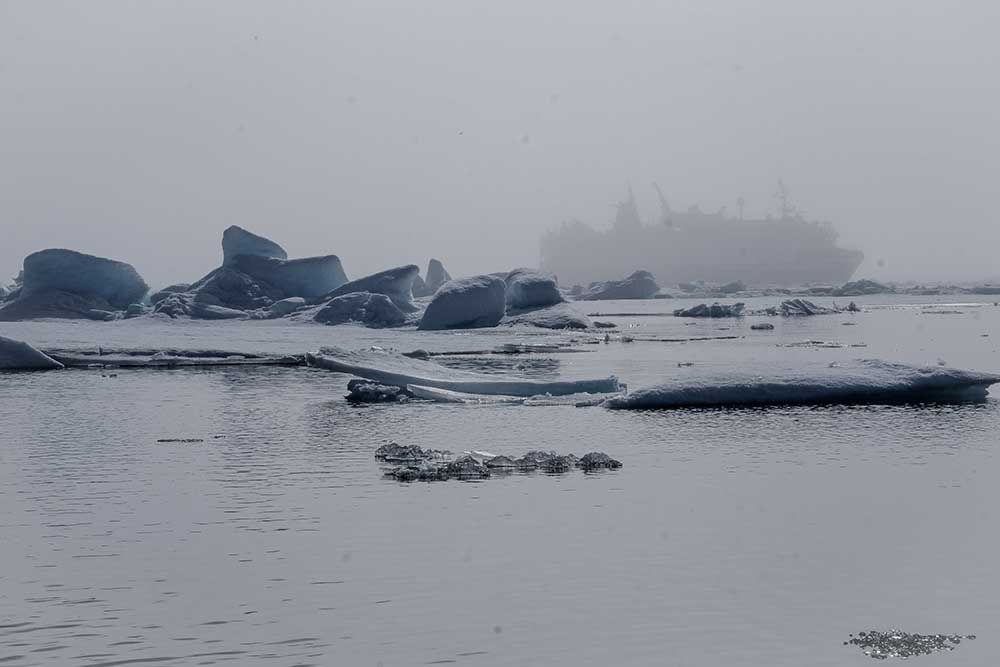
(388, 133)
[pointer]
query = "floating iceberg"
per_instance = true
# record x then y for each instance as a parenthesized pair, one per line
(437, 276)
(419, 288)
(527, 288)
(68, 284)
(715, 310)
(857, 382)
(237, 242)
(861, 288)
(397, 284)
(306, 277)
(639, 285)
(255, 274)
(372, 310)
(466, 303)
(799, 307)
(397, 370)
(116, 282)
(169, 290)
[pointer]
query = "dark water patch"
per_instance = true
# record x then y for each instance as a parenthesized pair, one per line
(135, 661)
(532, 367)
(42, 628)
(95, 555)
(46, 649)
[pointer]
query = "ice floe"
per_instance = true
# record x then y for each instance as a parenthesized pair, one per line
(16, 355)
(395, 369)
(165, 358)
(857, 382)
(559, 316)
(410, 463)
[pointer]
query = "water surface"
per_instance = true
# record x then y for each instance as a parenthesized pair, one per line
(735, 537)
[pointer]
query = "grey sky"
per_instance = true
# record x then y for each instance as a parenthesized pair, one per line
(390, 132)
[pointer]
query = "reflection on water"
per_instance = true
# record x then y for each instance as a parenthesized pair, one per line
(736, 537)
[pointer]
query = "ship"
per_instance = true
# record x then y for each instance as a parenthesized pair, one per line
(683, 247)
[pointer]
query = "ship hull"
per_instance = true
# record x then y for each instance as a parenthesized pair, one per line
(675, 257)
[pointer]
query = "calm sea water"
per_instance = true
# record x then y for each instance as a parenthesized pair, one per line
(730, 537)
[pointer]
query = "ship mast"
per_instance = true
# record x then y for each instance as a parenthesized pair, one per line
(627, 214)
(785, 208)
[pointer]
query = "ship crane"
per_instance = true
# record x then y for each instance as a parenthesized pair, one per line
(665, 211)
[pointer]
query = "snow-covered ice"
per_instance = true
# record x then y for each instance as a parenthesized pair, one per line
(286, 306)
(449, 396)
(559, 316)
(856, 382)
